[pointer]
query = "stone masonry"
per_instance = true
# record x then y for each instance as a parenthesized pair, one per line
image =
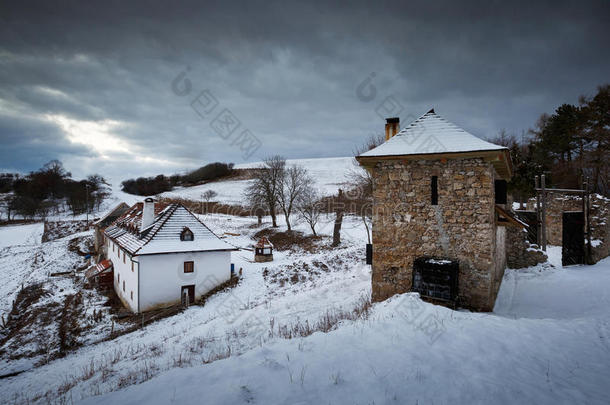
(519, 252)
(558, 203)
(462, 226)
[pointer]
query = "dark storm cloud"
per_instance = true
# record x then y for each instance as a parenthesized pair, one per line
(288, 72)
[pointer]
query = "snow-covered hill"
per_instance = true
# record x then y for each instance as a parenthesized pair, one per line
(329, 175)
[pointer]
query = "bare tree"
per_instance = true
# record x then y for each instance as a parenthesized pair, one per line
(339, 206)
(361, 180)
(294, 182)
(309, 207)
(267, 185)
(207, 197)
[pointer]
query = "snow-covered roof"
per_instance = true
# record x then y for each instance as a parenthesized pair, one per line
(98, 268)
(429, 134)
(163, 236)
(264, 242)
(119, 208)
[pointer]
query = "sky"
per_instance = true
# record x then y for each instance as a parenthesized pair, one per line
(140, 88)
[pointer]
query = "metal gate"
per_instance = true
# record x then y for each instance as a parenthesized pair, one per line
(436, 278)
(573, 238)
(529, 217)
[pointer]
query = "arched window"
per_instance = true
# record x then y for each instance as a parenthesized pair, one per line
(186, 235)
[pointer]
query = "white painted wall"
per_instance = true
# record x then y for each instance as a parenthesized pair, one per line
(130, 277)
(162, 276)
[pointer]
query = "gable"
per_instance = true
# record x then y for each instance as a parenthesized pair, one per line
(163, 236)
(167, 238)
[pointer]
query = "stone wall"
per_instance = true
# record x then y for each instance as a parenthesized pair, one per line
(558, 203)
(519, 252)
(462, 226)
(600, 227)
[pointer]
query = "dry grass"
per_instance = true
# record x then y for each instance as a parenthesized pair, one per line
(199, 207)
(325, 324)
(58, 229)
(291, 240)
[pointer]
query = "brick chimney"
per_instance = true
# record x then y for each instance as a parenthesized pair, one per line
(148, 213)
(392, 125)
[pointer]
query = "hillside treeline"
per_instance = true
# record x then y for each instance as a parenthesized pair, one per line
(50, 190)
(159, 184)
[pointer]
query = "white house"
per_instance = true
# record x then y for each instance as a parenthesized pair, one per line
(160, 252)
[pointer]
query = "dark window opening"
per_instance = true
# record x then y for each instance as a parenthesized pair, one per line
(500, 190)
(434, 190)
(186, 235)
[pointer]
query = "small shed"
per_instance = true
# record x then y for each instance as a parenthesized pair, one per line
(102, 223)
(263, 250)
(101, 275)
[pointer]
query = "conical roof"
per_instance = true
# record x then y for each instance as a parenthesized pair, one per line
(432, 137)
(431, 133)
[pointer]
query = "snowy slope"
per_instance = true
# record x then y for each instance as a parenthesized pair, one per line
(392, 358)
(329, 175)
(30, 234)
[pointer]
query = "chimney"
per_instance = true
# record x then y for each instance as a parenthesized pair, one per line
(148, 213)
(392, 125)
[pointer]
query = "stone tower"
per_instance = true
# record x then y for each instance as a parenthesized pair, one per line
(434, 196)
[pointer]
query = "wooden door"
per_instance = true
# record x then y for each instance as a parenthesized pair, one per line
(190, 290)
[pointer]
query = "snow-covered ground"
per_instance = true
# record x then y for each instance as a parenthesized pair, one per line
(237, 320)
(18, 247)
(28, 235)
(546, 342)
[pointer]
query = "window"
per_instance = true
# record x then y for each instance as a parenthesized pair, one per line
(132, 267)
(434, 190)
(500, 191)
(124, 254)
(123, 285)
(132, 295)
(113, 247)
(186, 235)
(189, 267)
(118, 277)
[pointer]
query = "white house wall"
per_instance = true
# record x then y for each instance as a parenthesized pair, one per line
(162, 276)
(126, 274)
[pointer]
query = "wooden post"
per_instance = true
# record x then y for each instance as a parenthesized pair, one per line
(338, 219)
(587, 210)
(542, 185)
(538, 216)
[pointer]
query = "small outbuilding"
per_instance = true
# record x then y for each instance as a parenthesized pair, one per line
(263, 250)
(101, 275)
(104, 222)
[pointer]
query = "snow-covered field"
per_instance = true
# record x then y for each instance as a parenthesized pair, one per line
(27, 235)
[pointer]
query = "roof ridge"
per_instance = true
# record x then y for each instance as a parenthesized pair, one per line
(200, 221)
(151, 235)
